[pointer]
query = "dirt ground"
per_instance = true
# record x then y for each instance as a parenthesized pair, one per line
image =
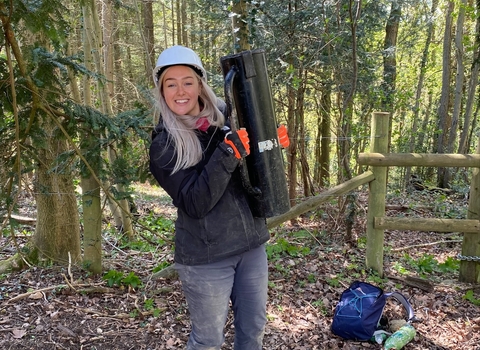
(310, 265)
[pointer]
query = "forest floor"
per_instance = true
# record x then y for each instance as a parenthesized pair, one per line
(310, 265)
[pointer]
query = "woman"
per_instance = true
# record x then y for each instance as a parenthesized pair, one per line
(219, 244)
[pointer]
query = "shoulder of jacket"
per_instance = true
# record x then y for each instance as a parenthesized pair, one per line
(159, 132)
(157, 129)
(222, 106)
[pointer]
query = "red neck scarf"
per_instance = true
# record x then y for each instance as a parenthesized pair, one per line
(202, 124)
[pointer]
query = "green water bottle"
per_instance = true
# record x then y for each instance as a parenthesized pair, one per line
(400, 338)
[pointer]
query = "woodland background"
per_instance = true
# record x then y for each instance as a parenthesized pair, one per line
(77, 111)
(76, 94)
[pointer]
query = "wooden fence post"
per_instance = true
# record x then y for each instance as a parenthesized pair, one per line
(470, 264)
(377, 192)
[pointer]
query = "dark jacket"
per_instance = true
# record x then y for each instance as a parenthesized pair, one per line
(214, 218)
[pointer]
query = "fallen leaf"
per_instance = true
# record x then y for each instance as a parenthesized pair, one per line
(36, 295)
(19, 333)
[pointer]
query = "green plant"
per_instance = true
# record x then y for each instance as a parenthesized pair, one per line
(376, 279)
(333, 282)
(356, 275)
(161, 266)
(148, 304)
(156, 312)
(450, 265)
(283, 270)
(362, 242)
(320, 306)
(114, 277)
(282, 247)
(301, 234)
(158, 223)
(352, 266)
(132, 280)
(142, 246)
(399, 268)
(470, 297)
(427, 264)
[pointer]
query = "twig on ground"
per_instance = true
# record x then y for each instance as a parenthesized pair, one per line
(412, 281)
(59, 286)
(425, 245)
(70, 267)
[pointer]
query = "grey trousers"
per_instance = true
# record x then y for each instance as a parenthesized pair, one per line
(208, 288)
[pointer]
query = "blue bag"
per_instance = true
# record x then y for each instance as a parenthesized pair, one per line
(359, 311)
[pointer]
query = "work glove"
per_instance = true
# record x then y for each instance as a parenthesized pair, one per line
(237, 141)
(283, 136)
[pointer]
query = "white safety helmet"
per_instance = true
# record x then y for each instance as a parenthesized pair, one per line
(178, 55)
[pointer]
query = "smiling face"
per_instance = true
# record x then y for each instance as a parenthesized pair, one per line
(181, 88)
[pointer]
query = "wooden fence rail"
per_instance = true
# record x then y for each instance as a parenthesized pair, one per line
(379, 160)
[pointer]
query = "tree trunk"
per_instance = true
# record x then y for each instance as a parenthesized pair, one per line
(105, 95)
(184, 23)
(459, 80)
(57, 233)
(459, 86)
(325, 125)
(179, 22)
(92, 213)
(346, 112)
(193, 24)
(472, 87)
(292, 149)
(292, 124)
(444, 104)
(92, 224)
(390, 63)
(308, 189)
(165, 28)
(419, 90)
(174, 24)
(389, 58)
(119, 68)
(148, 37)
(239, 26)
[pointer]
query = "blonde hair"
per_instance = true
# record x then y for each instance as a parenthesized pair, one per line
(181, 128)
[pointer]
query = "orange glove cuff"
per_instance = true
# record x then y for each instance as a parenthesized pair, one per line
(243, 135)
(283, 136)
